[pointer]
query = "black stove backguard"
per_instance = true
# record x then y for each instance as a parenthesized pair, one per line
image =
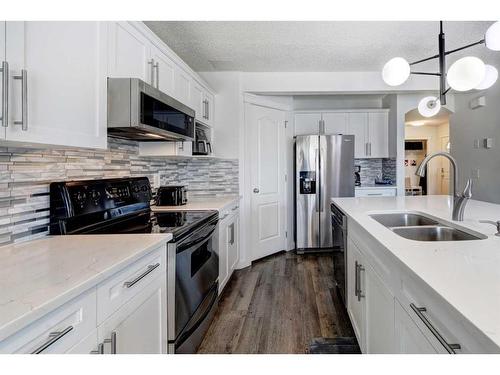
(85, 206)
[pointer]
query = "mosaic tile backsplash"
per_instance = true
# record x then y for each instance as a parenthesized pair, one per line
(25, 175)
(372, 168)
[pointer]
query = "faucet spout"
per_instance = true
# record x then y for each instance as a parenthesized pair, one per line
(459, 200)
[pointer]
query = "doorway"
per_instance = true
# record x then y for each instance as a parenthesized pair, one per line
(425, 136)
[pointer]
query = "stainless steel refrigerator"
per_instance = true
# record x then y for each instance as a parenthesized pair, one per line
(324, 168)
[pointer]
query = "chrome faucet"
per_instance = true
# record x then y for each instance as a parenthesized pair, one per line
(459, 200)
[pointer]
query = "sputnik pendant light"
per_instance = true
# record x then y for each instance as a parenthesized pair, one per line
(464, 74)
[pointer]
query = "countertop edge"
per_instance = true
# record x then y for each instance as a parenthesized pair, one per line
(30, 317)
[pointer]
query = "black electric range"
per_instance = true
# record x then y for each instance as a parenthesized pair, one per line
(114, 206)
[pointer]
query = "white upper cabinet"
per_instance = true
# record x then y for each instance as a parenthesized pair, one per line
(182, 85)
(197, 101)
(334, 123)
(357, 126)
(163, 71)
(307, 123)
(129, 53)
(3, 64)
(57, 83)
(378, 134)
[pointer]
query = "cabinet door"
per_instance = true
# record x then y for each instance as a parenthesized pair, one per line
(129, 52)
(197, 101)
(182, 84)
(357, 125)
(2, 63)
(355, 305)
(210, 106)
(233, 253)
(307, 123)
(139, 326)
(410, 340)
(223, 254)
(58, 76)
(335, 123)
(164, 71)
(87, 346)
(378, 134)
(380, 335)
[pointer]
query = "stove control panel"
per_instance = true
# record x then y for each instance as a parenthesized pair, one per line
(76, 198)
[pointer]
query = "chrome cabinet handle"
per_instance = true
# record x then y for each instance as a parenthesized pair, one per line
(24, 100)
(356, 278)
(450, 348)
(112, 341)
(231, 237)
(208, 110)
(369, 149)
(150, 269)
(100, 349)
(152, 70)
(5, 94)
(256, 190)
(357, 281)
(53, 337)
(157, 67)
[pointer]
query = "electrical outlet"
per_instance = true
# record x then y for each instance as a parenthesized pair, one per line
(489, 143)
(474, 174)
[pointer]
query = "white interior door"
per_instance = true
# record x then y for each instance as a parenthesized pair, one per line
(266, 129)
(445, 167)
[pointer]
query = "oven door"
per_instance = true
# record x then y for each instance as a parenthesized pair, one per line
(196, 274)
(339, 233)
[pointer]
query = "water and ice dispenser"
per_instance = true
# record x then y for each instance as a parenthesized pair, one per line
(307, 182)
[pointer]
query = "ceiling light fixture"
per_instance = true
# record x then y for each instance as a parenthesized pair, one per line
(464, 74)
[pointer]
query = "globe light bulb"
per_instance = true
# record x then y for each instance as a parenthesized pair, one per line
(466, 73)
(492, 37)
(490, 78)
(396, 71)
(429, 106)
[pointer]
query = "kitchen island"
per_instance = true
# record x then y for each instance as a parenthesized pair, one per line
(450, 290)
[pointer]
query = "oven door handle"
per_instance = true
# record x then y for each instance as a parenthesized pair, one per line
(186, 244)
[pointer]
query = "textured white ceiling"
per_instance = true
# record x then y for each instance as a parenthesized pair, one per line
(314, 46)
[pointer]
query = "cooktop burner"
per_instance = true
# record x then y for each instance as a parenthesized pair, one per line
(180, 222)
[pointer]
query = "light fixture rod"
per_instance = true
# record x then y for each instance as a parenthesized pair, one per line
(442, 65)
(446, 91)
(448, 52)
(426, 73)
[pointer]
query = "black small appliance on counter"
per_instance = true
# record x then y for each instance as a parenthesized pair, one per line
(357, 176)
(173, 195)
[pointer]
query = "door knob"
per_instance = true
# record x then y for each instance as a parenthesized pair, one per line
(256, 190)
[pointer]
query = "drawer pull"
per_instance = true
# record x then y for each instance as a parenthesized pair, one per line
(450, 348)
(112, 341)
(53, 337)
(150, 269)
(357, 284)
(100, 349)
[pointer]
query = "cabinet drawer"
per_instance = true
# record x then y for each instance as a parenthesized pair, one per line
(87, 346)
(119, 288)
(377, 192)
(58, 331)
(442, 325)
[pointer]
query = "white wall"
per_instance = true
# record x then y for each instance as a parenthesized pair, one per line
(466, 125)
(324, 102)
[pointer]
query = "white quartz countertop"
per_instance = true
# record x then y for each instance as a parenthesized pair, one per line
(375, 186)
(40, 275)
(198, 204)
(465, 273)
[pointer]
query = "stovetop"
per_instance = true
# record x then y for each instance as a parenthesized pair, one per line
(116, 206)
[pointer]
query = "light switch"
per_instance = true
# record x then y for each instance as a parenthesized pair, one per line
(475, 174)
(489, 143)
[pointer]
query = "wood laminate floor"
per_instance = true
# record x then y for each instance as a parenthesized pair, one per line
(278, 305)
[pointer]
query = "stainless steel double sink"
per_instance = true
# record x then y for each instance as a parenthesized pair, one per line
(417, 227)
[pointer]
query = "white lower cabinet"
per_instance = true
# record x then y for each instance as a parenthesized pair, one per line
(370, 305)
(410, 339)
(228, 244)
(139, 326)
(112, 317)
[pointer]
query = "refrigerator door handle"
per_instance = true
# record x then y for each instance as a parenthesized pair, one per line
(316, 166)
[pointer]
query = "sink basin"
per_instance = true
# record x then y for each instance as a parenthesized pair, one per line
(403, 219)
(434, 233)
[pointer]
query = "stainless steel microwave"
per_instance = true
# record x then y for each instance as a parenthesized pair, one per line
(139, 111)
